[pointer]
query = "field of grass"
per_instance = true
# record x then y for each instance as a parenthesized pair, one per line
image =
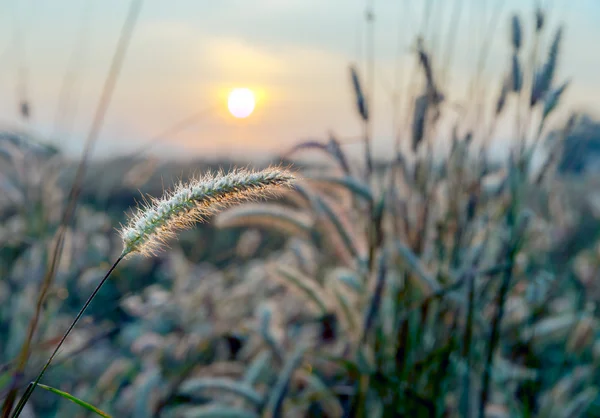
(424, 286)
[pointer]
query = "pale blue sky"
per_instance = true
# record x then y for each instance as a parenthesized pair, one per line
(186, 54)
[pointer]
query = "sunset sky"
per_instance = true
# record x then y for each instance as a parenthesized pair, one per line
(187, 54)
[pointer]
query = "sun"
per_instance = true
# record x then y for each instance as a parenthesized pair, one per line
(241, 102)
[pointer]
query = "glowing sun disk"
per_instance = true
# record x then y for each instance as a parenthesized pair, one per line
(241, 102)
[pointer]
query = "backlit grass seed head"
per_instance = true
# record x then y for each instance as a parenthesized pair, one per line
(160, 219)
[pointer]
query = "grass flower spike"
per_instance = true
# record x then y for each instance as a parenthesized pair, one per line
(158, 221)
(179, 209)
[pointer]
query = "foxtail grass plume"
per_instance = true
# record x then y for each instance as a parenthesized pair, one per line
(516, 37)
(545, 76)
(517, 74)
(552, 97)
(419, 118)
(506, 86)
(361, 101)
(539, 19)
(160, 219)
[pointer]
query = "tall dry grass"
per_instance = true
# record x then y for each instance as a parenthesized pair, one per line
(423, 286)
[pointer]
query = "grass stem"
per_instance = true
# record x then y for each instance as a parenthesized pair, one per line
(31, 387)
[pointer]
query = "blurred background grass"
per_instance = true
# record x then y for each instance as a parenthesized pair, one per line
(443, 280)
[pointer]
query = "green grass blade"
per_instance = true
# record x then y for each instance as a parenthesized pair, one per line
(274, 407)
(426, 283)
(257, 368)
(341, 228)
(294, 279)
(76, 400)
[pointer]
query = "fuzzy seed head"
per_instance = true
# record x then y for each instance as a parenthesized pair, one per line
(160, 219)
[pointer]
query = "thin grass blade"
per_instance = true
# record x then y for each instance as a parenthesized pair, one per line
(279, 392)
(75, 400)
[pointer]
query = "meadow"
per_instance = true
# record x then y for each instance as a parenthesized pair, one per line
(424, 286)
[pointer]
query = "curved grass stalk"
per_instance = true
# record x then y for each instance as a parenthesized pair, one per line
(279, 217)
(349, 183)
(342, 226)
(293, 279)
